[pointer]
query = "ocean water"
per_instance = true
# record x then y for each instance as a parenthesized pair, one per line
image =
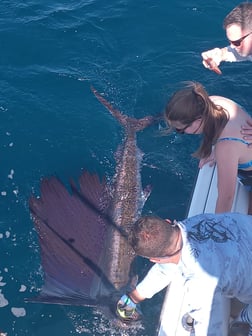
(136, 53)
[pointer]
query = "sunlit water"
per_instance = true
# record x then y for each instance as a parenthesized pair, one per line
(135, 52)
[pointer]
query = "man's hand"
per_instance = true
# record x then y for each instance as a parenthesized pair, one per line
(127, 310)
(212, 58)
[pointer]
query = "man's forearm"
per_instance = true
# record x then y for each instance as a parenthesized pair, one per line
(135, 296)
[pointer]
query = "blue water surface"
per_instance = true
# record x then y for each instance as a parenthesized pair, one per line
(136, 53)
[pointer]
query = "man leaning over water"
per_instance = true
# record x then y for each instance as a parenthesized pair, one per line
(238, 26)
(212, 252)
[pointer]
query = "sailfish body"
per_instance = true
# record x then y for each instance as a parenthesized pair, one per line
(83, 234)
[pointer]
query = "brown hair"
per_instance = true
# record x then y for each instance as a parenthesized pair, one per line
(192, 103)
(151, 236)
(240, 15)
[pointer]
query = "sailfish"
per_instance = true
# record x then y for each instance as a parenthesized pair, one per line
(84, 230)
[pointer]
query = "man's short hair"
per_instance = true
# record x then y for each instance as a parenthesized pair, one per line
(151, 236)
(240, 15)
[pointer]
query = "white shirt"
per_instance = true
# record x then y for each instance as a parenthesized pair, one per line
(216, 261)
(233, 56)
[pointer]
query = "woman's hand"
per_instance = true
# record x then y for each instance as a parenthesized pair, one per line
(246, 130)
(210, 160)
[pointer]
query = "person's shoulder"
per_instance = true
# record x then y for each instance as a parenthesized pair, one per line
(191, 221)
(213, 98)
(229, 219)
(224, 102)
(206, 217)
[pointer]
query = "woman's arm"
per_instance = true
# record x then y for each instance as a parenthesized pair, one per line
(227, 157)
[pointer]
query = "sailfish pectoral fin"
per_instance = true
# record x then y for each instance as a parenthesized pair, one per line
(146, 192)
(71, 233)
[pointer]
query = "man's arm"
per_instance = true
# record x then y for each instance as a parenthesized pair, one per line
(126, 308)
(136, 297)
(158, 277)
(217, 55)
(212, 58)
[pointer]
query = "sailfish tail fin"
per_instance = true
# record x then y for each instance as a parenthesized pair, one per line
(136, 124)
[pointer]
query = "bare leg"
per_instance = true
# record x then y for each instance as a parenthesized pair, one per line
(241, 330)
(250, 204)
(242, 326)
(236, 307)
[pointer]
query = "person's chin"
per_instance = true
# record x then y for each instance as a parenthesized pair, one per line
(243, 54)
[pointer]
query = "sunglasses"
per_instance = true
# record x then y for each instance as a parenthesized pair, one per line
(237, 43)
(182, 130)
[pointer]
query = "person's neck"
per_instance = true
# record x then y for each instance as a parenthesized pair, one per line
(178, 241)
(177, 246)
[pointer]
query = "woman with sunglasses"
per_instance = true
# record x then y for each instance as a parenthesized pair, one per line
(238, 26)
(192, 111)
